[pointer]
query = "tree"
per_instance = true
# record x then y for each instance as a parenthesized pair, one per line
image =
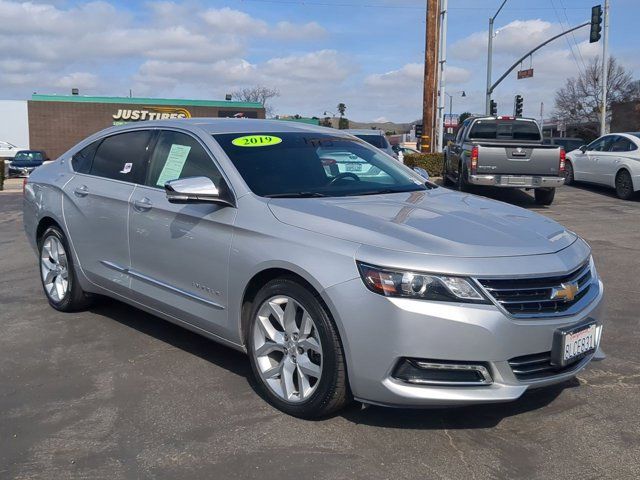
(343, 123)
(257, 94)
(341, 109)
(463, 116)
(578, 102)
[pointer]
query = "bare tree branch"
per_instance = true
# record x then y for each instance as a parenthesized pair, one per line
(257, 94)
(579, 100)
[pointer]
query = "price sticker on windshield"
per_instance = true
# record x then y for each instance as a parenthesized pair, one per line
(256, 141)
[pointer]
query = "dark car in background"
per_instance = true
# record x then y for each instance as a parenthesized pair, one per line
(25, 161)
(568, 143)
(376, 138)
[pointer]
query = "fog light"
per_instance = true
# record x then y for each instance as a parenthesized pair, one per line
(443, 373)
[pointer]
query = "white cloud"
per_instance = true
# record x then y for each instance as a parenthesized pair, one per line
(291, 31)
(80, 80)
(233, 21)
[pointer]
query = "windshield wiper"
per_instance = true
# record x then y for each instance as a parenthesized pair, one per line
(296, 195)
(381, 192)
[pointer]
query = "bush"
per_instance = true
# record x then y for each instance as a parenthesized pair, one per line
(433, 163)
(1, 174)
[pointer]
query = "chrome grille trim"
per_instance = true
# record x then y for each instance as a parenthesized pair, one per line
(538, 366)
(530, 297)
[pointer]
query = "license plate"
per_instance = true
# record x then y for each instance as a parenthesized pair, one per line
(354, 167)
(516, 181)
(570, 345)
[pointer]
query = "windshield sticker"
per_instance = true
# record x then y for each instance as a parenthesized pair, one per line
(174, 164)
(127, 168)
(256, 141)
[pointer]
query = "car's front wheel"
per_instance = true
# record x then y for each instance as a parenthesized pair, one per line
(568, 173)
(295, 351)
(57, 273)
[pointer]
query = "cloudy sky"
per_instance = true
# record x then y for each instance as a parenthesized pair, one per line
(366, 53)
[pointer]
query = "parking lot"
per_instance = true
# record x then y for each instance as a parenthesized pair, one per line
(116, 393)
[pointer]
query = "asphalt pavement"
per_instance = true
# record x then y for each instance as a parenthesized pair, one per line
(115, 393)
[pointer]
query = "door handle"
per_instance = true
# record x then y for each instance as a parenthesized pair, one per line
(81, 191)
(142, 205)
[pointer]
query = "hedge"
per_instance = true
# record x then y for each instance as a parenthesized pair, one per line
(431, 162)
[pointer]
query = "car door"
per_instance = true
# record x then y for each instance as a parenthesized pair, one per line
(96, 205)
(455, 149)
(180, 252)
(595, 153)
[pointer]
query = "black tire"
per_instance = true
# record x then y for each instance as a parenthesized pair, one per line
(544, 196)
(446, 181)
(568, 173)
(461, 184)
(624, 185)
(332, 391)
(74, 298)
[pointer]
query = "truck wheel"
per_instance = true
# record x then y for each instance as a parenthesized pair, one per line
(446, 181)
(568, 173)
(544, 196)
(462, 183)
(624, 185)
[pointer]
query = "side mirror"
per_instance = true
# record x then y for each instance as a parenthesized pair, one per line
(422, 172)
(194, 190)
(583, 148)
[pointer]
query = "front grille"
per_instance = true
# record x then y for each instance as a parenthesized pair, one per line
(532, 297)
(537, 366)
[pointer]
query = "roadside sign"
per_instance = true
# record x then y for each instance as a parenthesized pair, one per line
(528, 73)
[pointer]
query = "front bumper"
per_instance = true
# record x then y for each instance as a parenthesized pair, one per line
(378, 332)
(516, 181)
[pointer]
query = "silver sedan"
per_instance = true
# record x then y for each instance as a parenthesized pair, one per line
(338, 283)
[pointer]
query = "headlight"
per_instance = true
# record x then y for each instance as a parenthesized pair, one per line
(399, 283)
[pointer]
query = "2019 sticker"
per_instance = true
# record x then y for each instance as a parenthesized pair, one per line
(256, 141)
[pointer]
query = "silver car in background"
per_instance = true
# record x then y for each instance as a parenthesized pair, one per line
(383, 288)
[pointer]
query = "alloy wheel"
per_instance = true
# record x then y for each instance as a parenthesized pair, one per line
(286, 348)
(54, 268)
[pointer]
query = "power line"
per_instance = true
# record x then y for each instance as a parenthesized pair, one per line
(575, 59)
(564, 9)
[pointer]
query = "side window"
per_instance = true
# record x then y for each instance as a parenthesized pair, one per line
(461, 131)
(122, 156)
(81, 161)
(178, 155)
(622, 144)
(601, 144)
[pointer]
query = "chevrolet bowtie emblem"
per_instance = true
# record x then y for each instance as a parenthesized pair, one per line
(566, 292)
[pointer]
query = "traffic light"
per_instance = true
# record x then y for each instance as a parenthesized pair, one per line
(493, 108)
(596, 24)
(517, 110)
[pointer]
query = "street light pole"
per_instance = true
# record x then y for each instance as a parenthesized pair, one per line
(489, 57)
(605, 70)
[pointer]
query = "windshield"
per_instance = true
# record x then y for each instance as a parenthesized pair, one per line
(375, 140)
(505, 130)
(306, 164)
(33, 156)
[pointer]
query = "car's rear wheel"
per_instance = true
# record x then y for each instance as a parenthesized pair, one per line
(624, 185)
(57, 273)
(544, 196)
(295, 351)
(568, 173)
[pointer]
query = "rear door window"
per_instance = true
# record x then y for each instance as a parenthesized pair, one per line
(123, 156)
(505, 130)
(621, 144)
(178, 155)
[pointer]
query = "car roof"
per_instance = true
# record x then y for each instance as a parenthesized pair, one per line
(228, 125)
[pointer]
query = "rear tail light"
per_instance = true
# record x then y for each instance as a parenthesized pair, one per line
(474, 160)
(563, 157)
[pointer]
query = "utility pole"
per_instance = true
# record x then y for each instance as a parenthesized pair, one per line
(430, 67)
(489, 57)
(605, 70)
(443, 71)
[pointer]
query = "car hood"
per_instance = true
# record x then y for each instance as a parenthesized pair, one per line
(436, 222)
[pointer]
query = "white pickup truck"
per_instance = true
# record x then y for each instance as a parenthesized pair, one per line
(504, 152)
